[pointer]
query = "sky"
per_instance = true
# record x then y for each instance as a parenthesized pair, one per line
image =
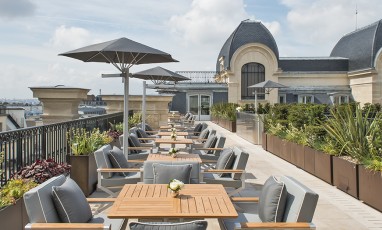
(34, 32)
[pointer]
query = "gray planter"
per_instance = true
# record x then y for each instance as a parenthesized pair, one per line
(14, 217)
(84, 172)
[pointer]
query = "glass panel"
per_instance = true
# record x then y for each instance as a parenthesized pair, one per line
(204, 105)
(194, 103)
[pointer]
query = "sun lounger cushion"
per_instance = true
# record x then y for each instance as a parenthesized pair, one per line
(118, 160)
(225, 161)
(164, 173)
(193, 225)
(272, 200)
(71, 203)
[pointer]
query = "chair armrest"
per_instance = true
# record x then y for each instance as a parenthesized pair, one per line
(64, 226)
(136, 161)
(281, 225)
(147, 138)
(208, 161)
(118, 170)
(100, 200)
(140, 148)
(208, 148)
(223, 171)
(244, 199)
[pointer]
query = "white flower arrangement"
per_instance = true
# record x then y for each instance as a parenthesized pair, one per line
(172, 151)
(173, 130)
(173, 136)
(239, 109)
(175, 185)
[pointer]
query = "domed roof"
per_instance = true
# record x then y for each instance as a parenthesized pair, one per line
(360, 47)
(247, 32)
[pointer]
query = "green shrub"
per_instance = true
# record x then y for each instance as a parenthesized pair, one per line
(13, 190)
(83, 142)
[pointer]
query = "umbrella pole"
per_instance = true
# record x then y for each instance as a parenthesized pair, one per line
(126, 113)
(144, 106)
(255, 101)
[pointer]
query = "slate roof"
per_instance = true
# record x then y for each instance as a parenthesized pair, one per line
(247, 32)
(360, 47)
(313, 64)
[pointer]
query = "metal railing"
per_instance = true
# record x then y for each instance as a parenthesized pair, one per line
(23, 147)
(200, 77)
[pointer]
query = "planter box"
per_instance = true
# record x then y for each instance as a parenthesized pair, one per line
(297, 155)
(227, 124)
(84, 172)
(285, 150)
(323, 166)
(309, 159)
(264, 141)
(345, 176)
(14, 217)
(370, 187)
(276, 146)
(270, 140)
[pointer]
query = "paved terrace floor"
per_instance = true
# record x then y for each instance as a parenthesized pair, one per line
(335, 209)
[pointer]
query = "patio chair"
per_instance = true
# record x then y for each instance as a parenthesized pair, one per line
(203, 136)
(194, 132)
(114, 170)
(192, 225)
(148, 128)
(138, 150)
(189, 121)
(229, 170)
(60, 199)
(143, 136)
(161, 172)
(284, 203)
(211, 149)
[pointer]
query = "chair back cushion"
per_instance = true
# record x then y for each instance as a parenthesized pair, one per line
(102, 160)
(142, 134)
(220, 141)
(39, 202)
(204, 134)
(134, 142)
(225, 161)
(71, 203)
(118, 160)
(272, 200)
(163, 173)
(301, 201)
(240, 162)
(198, 129)
(148, 172)
(193, 225)
(210, 143)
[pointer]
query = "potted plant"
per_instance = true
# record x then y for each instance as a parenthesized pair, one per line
(12, 209)
(115, 131)
(83, 144)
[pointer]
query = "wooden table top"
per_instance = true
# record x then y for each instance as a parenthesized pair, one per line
(169, 127)
(169, 141)
(155, 201)
(169, 133)
(179, 157)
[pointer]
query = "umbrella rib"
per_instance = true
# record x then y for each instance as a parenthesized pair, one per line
(87, 60)
(111, 61)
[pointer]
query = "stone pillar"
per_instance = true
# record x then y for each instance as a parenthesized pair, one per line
(156, 107)
(60, 103)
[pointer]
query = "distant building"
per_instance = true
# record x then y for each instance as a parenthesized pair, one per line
(11, 118)
(352, 72)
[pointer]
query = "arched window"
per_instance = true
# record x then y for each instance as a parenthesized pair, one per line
(252, 73)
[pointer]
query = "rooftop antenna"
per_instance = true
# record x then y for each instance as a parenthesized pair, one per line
(356, 15)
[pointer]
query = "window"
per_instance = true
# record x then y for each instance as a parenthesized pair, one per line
(252, 73)
(340, 99)
(305, 99)
(282, 98)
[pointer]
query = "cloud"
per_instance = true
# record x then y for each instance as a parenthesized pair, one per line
(70, 37)
(16, 8)
(322, 23)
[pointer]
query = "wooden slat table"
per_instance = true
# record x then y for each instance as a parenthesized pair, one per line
(169, 133)
(179, 157)
(155, 201)
(159, 141)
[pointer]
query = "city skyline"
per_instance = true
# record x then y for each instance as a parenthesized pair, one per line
(193, 32)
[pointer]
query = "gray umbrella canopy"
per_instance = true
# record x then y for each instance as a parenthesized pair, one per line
(159, 75)
(123, 53)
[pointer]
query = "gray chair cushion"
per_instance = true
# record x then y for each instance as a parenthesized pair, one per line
(198, 129)
(118, 160)
(148, 172)
(210, 143)
(39, 203)
(134, 142)
(102, 160)
(71, 203)
(193, 225)
(272, 200)
(240, 162)
(225, 161)
(204, 134)
(164, 173)
(142, 134)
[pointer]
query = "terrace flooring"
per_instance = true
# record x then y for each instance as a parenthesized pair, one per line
(335, 209)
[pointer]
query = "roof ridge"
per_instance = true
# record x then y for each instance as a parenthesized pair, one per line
(364, 28)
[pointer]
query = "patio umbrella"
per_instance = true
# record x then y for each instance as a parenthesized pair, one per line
(123, 53)
(157, 75)
(268, 86)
